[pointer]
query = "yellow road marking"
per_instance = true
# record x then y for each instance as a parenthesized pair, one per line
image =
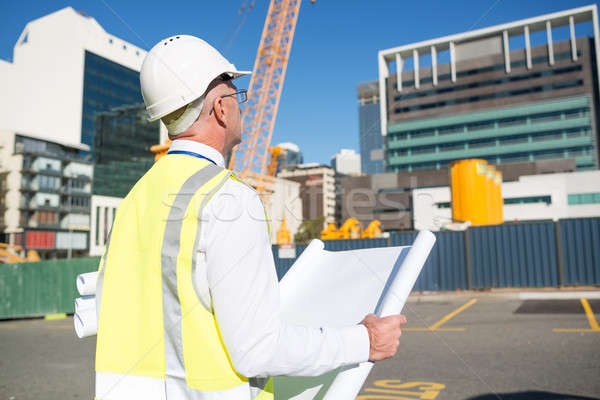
(590, 315)
(452, 314)
(52, 317)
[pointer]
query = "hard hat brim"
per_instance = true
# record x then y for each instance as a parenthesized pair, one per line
(239, 74)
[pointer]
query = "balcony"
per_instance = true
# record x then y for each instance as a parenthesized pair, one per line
(43, 171)
(34, 189)
(83, 177)
(75, 191)
(46, 225)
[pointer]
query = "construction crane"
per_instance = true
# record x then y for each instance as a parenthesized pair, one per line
(275, 153)
(249, 158)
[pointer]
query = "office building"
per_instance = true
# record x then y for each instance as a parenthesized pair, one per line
(370, 138)
(317, 189)
(390, 197)
(65, 69)
(479, 95)
(529, 198)
(46, 189)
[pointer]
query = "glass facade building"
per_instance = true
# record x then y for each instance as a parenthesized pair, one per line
(106, 85)
(370, 138)
(122, 149)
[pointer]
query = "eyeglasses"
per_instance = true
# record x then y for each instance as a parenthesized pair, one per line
(241, 96)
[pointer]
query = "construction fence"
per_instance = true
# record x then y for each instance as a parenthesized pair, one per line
(537, 254)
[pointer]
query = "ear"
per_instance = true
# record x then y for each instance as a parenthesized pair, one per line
(219, 110)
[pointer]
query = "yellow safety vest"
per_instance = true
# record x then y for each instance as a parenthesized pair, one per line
(155, 339)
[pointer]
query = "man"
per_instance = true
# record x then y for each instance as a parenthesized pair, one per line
(188, 295)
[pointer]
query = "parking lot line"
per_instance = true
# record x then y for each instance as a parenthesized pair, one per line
(436, 326)
(452, 315)
(590, 317)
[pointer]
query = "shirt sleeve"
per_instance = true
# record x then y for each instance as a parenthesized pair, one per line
(244, 290)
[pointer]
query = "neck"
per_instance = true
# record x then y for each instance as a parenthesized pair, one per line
(217, 143)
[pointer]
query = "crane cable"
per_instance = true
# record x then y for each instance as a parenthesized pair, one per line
(242, 15)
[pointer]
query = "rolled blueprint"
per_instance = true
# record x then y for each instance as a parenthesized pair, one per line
(348, 383)
(86, 283)
(85, 302)
(337, 289)
(85, 322)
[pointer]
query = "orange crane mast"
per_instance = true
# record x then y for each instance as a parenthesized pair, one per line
(249, 158)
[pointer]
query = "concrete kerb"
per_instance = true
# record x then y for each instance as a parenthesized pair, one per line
(509, 294)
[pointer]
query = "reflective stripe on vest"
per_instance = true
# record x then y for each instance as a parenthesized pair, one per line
(155, 338)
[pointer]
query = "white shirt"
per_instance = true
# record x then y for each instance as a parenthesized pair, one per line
(235, 276)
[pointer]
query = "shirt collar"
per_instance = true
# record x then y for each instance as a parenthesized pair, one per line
(200, 148)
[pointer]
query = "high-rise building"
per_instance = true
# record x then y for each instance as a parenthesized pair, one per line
(46, 189)
(478, 94)
(292, 156)
(347, 161)
(370, 138)
(66, 68)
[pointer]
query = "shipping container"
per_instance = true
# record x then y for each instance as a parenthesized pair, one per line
(73, 240)
(39, 240)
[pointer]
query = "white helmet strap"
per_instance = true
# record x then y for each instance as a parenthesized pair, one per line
(185, 120)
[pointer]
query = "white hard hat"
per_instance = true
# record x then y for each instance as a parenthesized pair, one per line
(178, 70)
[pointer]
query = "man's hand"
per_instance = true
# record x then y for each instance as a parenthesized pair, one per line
(384, 335)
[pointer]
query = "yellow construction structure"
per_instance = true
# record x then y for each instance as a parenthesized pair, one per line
(373, 230)
(330, 232)
(10, 254)
(284, 236)
(351, 229)
(160, 150)
(476, 192)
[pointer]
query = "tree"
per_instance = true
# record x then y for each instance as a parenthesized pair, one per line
(308, 230)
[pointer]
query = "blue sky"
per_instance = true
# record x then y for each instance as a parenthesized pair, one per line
(335, 46)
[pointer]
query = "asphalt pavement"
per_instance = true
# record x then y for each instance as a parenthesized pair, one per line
(470, 346)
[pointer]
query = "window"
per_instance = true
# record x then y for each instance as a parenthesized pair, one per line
(452, 146)
(583, 198)
(475, 144)
(528, 200)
